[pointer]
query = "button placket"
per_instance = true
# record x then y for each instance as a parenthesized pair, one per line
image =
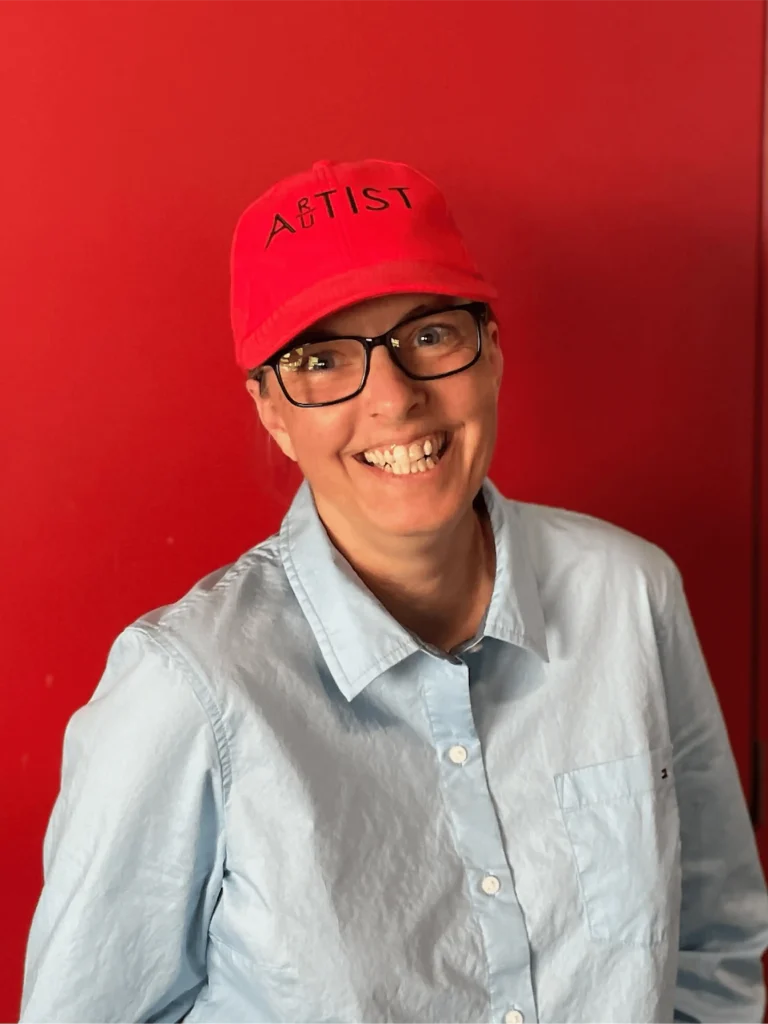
(479, 841)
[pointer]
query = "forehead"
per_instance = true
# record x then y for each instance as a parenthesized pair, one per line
(374, 316)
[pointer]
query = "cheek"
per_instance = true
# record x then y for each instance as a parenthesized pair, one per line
(478, 414)
(318, 436)
(474, 403)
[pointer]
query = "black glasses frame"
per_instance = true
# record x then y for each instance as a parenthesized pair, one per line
(479, 311)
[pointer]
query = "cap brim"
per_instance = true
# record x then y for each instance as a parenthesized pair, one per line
(336, 293)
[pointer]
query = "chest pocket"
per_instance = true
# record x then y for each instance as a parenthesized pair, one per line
(623, 823)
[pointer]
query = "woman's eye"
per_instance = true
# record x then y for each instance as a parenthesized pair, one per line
(430, 336)
(301, 361)
(318, 361)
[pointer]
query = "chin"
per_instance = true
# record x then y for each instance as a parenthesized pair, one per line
(413, 520)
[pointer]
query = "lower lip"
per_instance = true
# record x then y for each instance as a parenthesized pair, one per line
(410, 477)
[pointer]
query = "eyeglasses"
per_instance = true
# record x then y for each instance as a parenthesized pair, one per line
(317, 370)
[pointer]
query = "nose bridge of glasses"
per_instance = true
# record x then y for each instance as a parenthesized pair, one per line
(390, 341)
(388, 358)
(387, 386)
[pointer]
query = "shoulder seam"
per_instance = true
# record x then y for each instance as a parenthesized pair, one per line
(193, 674)
(674, 587)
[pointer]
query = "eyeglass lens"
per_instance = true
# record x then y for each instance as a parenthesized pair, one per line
(326, 371)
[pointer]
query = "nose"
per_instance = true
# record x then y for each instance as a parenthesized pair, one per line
(388, 391)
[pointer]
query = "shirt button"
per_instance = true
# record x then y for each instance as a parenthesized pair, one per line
(490, 885)
(458, 754)
(513, 1017)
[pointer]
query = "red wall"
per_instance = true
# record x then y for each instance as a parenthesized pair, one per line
(760, 564)
(603, 160)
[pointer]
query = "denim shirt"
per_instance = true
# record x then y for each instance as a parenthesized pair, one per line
(281, 805)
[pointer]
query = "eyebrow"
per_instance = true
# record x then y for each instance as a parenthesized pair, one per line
(323, 334)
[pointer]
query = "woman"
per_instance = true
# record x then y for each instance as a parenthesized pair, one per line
(428, 754)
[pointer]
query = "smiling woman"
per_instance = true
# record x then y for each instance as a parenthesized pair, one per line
(387, 374)
(429, 753)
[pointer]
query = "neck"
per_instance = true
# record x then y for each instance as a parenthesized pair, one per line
(438, 589)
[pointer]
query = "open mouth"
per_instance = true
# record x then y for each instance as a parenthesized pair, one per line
(422, 456)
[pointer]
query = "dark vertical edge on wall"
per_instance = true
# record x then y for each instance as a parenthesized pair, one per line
(759, 588)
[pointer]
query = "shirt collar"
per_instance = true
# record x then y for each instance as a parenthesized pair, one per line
(514, 613)
(357, 636)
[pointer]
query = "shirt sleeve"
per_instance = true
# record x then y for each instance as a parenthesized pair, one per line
(724, 913)
(133, 854)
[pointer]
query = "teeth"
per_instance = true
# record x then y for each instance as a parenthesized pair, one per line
(421, 466)
(402, 459)
(405, 456)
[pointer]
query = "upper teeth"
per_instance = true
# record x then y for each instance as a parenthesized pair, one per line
(402, 456)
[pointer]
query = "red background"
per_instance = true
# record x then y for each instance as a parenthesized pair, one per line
(603, 160)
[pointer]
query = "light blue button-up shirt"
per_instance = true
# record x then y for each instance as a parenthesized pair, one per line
(280, 805)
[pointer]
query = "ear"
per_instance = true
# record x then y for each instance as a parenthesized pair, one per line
(269, 405)
(492, 346)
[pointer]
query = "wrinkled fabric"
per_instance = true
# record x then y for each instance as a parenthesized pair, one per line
(280, 805)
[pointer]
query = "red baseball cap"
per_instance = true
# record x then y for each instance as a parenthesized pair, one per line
(335, 235)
